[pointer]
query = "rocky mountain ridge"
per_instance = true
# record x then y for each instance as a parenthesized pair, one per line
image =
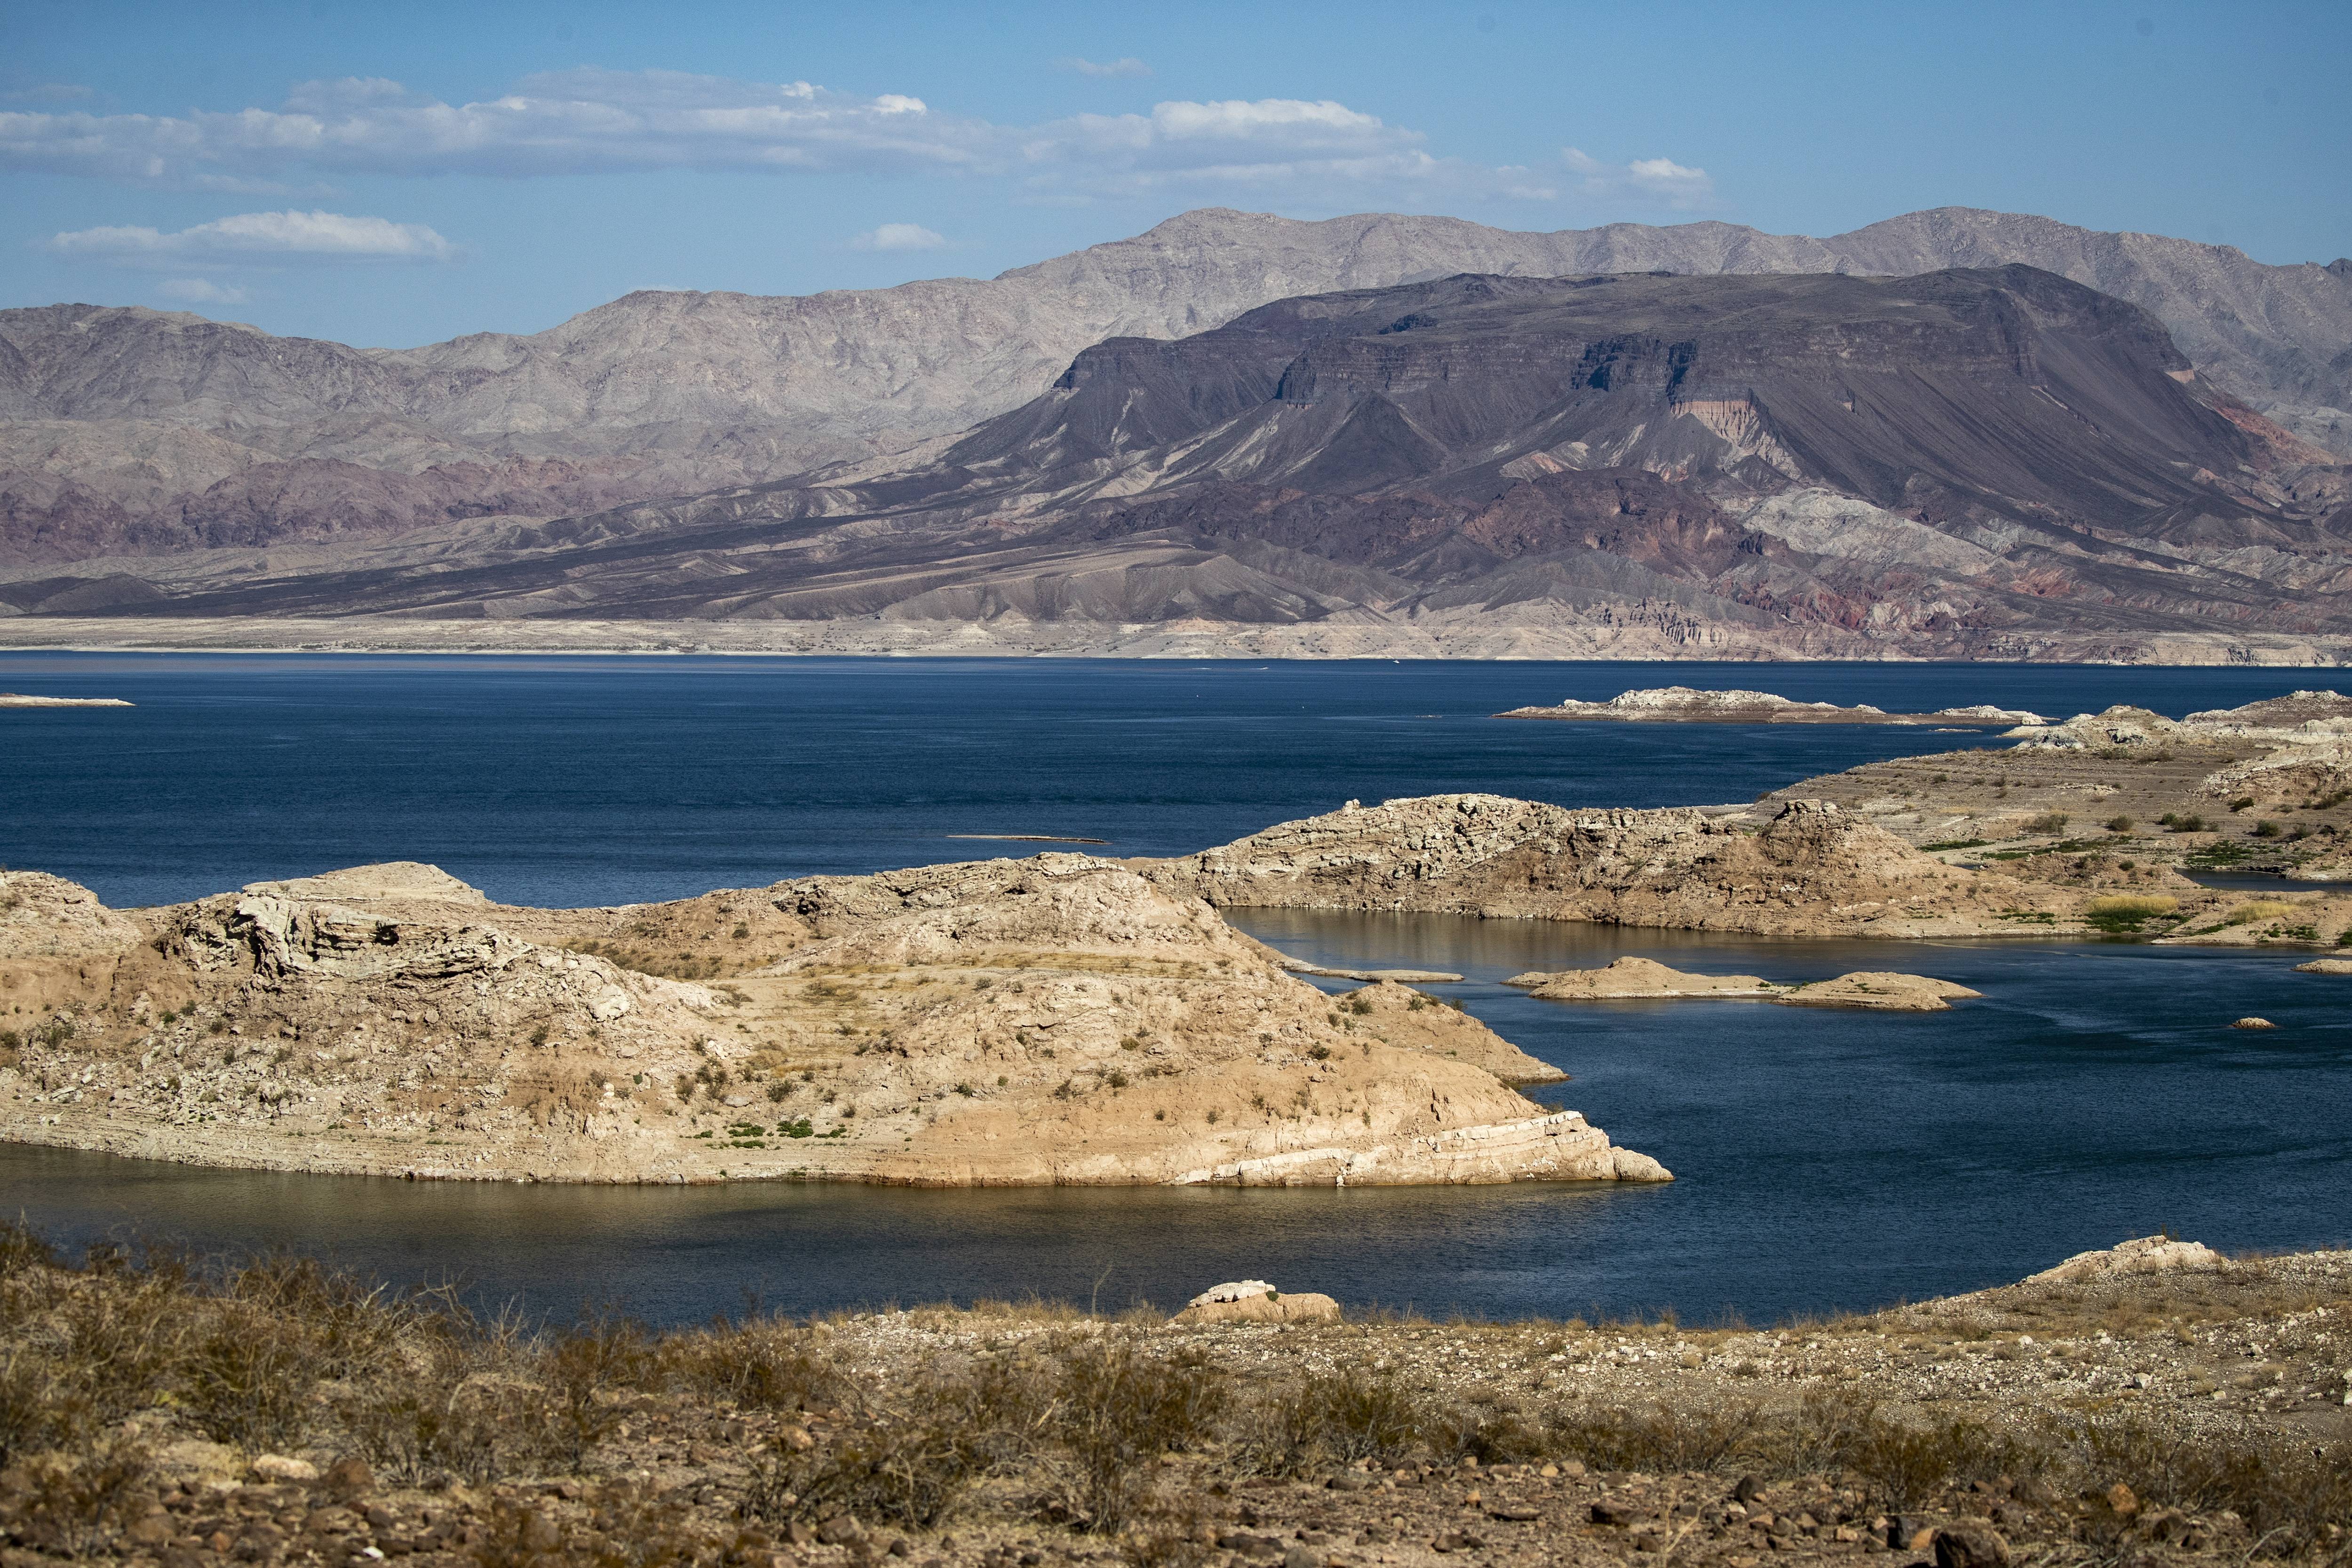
(1974, 463)
(132, 431)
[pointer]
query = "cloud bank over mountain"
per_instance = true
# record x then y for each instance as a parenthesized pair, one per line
(592, 120)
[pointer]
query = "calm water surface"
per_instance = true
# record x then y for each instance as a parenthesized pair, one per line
(1827, 1159)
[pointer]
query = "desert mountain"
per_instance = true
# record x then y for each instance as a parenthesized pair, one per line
(126, 431)
(1964, 463)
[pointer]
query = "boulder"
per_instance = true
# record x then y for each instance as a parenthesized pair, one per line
(1969, 1545)
(2326, 967)
(1256, 1302)
(2252, 1023)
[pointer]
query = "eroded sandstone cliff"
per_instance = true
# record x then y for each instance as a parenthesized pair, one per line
(1812, 869)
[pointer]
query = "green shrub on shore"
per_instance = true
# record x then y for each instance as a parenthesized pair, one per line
(2124, 912)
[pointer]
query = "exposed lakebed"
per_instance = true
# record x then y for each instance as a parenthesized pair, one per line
(1826, 1159)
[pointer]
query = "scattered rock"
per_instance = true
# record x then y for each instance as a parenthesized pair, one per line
(282, 1468)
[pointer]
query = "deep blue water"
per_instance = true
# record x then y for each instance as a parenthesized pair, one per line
(1827, 1159)
(596, 780)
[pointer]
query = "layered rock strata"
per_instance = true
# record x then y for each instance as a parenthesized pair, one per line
(1053, 1021)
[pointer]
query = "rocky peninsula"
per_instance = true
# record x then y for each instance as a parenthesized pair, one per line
(1686, 704)
(1047, 1021)
(2124, 808)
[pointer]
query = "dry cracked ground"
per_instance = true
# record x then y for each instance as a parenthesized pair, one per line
(159, 1415)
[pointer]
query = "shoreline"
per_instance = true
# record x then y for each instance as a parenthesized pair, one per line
(1453, 641)
(2153, 1399)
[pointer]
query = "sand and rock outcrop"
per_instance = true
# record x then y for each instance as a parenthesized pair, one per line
(2122, 802)
(1257, 1302)
(2142, 1255)
(1812, 869)
(1880, 991)
(1632, 979)
(1051, 1021)
(1686, 704)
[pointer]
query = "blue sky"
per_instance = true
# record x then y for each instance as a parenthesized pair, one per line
(394, 174)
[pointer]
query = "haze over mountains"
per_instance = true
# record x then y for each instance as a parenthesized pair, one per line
(1765, 454)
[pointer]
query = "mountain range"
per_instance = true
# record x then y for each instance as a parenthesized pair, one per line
(1685, 440)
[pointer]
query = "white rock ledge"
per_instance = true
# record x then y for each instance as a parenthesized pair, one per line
(1559, 1146)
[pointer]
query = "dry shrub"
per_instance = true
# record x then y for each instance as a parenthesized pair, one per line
(758, 1367)
(2260, 909)
(119, 1338)
(248, 1378)
(348, 1329)
(1172, 1530)
(36, 1411)
(584, 1369)
(1331, 1417)
(455, 1402)
(1118, 1409)
(77, 1503)
(909, 1457)
(2285, 1488)
(1904, 1463)
(438, 1421)
(1651, 1437)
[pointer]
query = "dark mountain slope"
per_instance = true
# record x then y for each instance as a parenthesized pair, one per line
(1944, 463)
(116, 423)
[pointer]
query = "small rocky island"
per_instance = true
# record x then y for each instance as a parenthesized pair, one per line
(1632, 979)
(1688, 705)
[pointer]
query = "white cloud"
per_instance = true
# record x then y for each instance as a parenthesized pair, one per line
(900, 236)
(599, 122)
(261, 237)
(201, 291)
(1657, 180)
(1125, 65)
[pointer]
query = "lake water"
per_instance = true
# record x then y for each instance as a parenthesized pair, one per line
(1827, 1159)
